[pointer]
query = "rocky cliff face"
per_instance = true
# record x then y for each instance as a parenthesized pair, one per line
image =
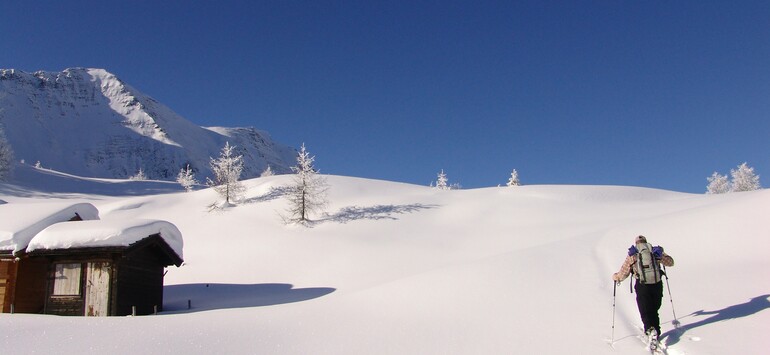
(88, 122)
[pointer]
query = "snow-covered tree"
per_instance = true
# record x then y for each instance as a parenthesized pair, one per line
(268, 172)
(718, 184)
(442, 183)
(308, 194)
(186, 178)
(6, 156)
(139, 176)
(744, 179)
(227, 173)
(514, 179)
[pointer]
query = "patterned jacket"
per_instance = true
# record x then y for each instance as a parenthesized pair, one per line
(628, 266)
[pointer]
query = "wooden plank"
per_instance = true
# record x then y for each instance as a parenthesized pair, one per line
(7, 278)
(97, 289)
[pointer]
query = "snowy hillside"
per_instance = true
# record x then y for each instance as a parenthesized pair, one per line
(403, 269)
(88, 122)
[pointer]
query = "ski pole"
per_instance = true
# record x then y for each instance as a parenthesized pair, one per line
(614, 288)
(676, 321)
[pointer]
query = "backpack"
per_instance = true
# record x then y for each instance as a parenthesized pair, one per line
(646, 268)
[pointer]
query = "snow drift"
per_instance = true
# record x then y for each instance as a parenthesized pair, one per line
(103, 233)
(20, 223)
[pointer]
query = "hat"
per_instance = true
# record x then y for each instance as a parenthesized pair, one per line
(641, 239)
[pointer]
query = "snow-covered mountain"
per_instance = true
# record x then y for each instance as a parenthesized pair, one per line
(90, 123)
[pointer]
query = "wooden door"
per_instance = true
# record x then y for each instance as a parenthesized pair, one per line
(98, 289)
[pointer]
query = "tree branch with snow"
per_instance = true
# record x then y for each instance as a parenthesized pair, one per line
(308, 194)
(227, 172)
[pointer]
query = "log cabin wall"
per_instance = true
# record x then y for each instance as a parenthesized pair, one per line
(140, 283)
(31, 285)
(82, 299)
(7, 281)
(134, 281)
(22, 285)
(109, 281)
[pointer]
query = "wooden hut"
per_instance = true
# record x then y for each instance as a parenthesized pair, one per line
(106, 268)
(22, 279)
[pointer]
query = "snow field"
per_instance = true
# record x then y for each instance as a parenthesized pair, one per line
(396, 268)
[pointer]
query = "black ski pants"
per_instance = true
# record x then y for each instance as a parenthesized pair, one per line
(648, 299)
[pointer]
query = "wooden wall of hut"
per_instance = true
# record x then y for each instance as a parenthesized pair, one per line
(22, 285)
(140, 283)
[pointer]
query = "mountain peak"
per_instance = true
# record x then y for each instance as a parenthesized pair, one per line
(88, 122)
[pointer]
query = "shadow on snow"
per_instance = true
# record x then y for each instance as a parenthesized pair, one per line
(753, 306)
(378, 212)
(346, 214)
(273, 194)
(206, 297)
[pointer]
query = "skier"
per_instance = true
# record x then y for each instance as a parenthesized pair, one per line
(644, 261)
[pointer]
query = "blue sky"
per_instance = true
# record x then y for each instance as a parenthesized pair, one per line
(639, 93)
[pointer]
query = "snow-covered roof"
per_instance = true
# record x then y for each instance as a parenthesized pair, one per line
(20, 222)
(106, 233)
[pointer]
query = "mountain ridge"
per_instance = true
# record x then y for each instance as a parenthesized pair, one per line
(89, 122)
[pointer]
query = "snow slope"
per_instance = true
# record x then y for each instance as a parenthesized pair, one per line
(396, 268)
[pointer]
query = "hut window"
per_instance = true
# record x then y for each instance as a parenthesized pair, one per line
(67, 280)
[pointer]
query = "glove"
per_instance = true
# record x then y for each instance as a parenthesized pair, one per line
(657, 251)
(632, 250)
